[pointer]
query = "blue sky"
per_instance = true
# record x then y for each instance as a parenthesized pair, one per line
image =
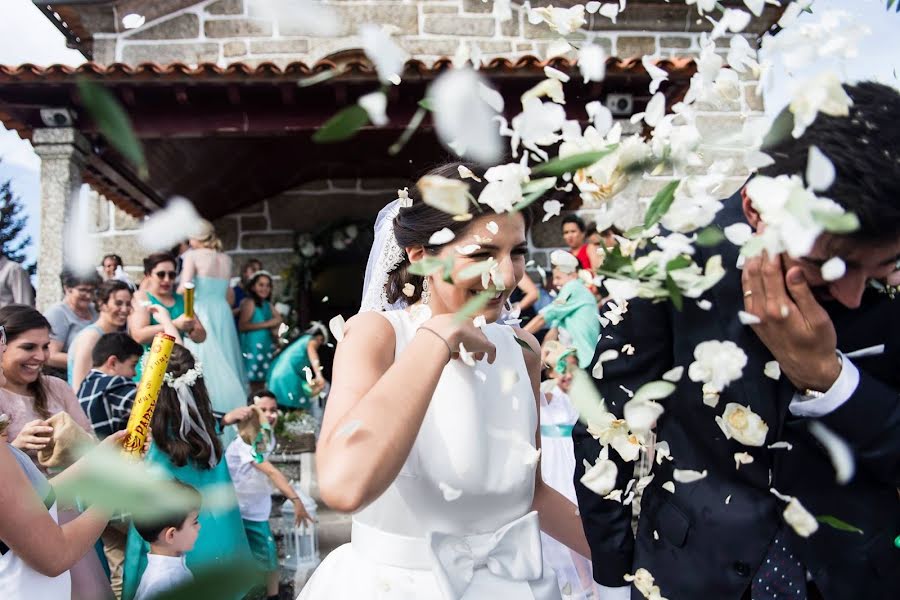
(43, 45)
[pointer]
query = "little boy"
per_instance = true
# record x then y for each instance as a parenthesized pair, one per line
(107, 393)
(247, 458)
(170, 539)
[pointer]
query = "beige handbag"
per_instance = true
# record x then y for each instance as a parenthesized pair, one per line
(68, 442)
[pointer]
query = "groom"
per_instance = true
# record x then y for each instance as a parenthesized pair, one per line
(838, 347)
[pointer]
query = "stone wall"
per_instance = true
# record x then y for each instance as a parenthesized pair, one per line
(227, 31)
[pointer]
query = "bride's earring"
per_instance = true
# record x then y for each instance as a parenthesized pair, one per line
(426, 293)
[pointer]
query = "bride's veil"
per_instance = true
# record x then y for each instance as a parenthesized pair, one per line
(384, 257)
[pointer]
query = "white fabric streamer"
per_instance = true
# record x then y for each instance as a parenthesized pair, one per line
(188, 408)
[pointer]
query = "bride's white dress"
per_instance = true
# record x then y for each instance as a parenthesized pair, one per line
(456, 523)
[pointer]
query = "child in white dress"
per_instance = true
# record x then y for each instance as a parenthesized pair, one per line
(573, 572)
(169, 539)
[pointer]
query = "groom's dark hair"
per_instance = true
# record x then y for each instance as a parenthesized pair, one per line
(864, 149)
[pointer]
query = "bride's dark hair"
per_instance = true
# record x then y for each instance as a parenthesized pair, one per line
(415, 224)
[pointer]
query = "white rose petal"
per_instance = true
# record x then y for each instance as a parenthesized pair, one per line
(408, 290)
(772, 370)
(466, 173)
(466, 356)
(336, 326)
(838, 451)
(610, 11)
(704, 304)
(822, 93)
(717, 363)
(605, 356)
(175, 223)
(552, 73)
(441, 237)
(780, 446)
(688, 476)
(592, 63)
(738, 233)
(728, 499)
(656, 109)
(674, 375)
(669, 486)
(375, 105)
(748, 319)
(800, 519)
(819, 170)
(601, 477)
(742, 424)
(461, 115)
(551, 209)
(448, 195)
(386, 55)
(643, 581)
(641, 414)
(833, 269)
(657, 75)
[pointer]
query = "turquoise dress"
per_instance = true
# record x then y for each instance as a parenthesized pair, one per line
(222, 538)
(287, 378)
(220, 353)
(70, 356)
(257, 346)
(175, 311)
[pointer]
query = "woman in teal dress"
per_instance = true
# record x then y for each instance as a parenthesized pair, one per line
(159, 270)
(209, 270)
(257, 323)
(296, 375)
(191, 452)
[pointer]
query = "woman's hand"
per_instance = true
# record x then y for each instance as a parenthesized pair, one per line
(34, 436)
(114, 441)
(237, 415)
(183, 323)
(160, 313)
(465, 333)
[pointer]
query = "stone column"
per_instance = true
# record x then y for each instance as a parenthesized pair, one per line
(63, 152)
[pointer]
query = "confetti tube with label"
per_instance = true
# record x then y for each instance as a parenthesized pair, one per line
(138, 428)
(189, 300)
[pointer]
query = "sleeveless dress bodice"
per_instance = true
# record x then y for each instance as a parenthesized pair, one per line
(466, 485)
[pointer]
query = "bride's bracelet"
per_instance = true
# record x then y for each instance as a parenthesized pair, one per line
(440, 337)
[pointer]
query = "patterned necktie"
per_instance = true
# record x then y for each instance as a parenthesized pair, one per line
(780, 576)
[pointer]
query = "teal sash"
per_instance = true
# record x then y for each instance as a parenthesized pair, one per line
(556, 430)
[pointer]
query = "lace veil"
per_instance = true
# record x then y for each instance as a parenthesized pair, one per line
(385, 255)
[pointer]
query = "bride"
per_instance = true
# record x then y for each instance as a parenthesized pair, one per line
(431, 434)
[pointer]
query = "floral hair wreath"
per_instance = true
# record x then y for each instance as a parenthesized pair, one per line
(188, 378)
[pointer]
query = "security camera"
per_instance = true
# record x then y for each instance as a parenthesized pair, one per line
(57, 117)
(620, 105)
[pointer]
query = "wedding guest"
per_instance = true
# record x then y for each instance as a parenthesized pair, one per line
(572, 316)
(112, 268)
(254, 477)
(296, 375)
(112, 302)
(240, 289)
(574, 233)
(29, 398)
(68, 317)
(209, 269)
(833, 345)
(258, 325)
(107, 393)
(15, 285)
(170, 539)
(144, 323)
(186, 446)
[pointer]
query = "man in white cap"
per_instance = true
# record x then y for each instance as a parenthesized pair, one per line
(573, 315)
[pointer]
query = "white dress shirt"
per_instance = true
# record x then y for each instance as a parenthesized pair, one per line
(163, 573)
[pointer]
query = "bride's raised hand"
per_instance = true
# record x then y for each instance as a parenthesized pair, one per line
(453, 332)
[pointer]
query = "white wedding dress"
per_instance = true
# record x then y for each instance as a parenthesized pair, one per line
(456, 523)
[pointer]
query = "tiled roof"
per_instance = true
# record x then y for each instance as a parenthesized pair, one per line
(240, 71)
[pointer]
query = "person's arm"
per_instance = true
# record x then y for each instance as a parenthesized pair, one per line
(595, 256)
(283, 485)
(198, 333)
(139, 321)
(377, 403)
(188, 270)
(58, 358)
(535, 324)
(607, 523)
(312, 351)
(59, 329)
(29, 530)
(530, 289)
(82, 362)
(558, 516)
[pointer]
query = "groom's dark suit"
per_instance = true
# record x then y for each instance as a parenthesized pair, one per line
(710, 549)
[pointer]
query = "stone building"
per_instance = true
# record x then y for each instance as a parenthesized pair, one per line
(212, 90)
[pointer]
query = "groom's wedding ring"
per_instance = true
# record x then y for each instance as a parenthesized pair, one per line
(748, 293)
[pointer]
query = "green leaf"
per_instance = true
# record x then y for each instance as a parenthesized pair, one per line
(524, 345)
(113, 123)
(471, 308)
(614, 260)
(837, 222)
(342, 126)
(427, 104)
(655, 390)
(674, 292)
(710, 236)
(533, 190)
(679, 262)
(570, 164)
(661, 203)
(634, 232)
(780, 130)
(430, 265)
(476, 269)
(220, 581)
(586, 399)
(838, 524)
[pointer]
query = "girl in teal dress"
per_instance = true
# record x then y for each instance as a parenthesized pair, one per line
(296, 375)
(257, 323)
(190, 451)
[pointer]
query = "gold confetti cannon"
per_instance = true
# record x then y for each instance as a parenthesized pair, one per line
(138, 428)
(189, 300)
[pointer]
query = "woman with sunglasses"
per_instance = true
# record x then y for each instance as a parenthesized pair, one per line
(69, 317)
(159, 271)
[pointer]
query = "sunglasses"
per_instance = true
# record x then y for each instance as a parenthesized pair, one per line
(165, 275)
